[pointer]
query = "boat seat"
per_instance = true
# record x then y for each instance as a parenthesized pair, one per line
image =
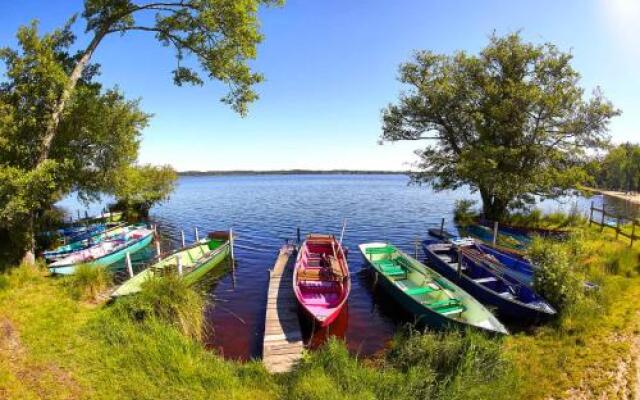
(446, 307)
(380, 250)
(506, 295)
(394, 271)
(486, 280)
(421, 290)
(385, 263)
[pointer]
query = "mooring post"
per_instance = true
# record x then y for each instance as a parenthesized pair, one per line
(495, 233)
(182, 237)
(197, 236)
(459, 263)
(129, 266)
(416, 243)
(442, 227)
(298, 234)
(179, 262)
(232, 243)
(591, 214)
(158, 248)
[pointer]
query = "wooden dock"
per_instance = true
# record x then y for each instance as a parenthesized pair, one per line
(282, 346)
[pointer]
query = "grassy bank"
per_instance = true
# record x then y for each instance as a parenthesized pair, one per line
(58, 343)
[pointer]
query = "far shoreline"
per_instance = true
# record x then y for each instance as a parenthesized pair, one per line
(290, 172)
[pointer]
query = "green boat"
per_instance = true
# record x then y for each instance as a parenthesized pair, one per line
(192, 263)
(434, 301)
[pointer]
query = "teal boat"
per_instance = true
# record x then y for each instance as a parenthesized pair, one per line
(434, 301)
(62, 251)
(104, 253)
(192, 263)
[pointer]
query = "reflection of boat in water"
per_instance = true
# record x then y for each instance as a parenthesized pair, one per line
(316, 336)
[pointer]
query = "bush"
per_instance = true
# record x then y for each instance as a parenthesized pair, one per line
(88, 282)
(554, 278)
(168, 299)
(464, 213)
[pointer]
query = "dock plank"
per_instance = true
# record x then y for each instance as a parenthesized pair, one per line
(282, 345)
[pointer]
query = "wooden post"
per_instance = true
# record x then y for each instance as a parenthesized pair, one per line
(617, 227)
(179, 262)
(495, 233)
(129, 266)
(460, 262)
(182, 237)
(416, 243)
(158, 248)
(442, 227)
(633, 231)
(602, 219)
(197, 236)
(591, 214)
(231, 243)
(298, 234)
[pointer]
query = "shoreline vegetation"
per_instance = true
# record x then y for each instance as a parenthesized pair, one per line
(60, 340)
(291, 172)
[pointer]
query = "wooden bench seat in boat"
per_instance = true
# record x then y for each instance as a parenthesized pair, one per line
(446, 307)
(486, 280)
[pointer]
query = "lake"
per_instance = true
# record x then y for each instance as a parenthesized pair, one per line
(266, 210)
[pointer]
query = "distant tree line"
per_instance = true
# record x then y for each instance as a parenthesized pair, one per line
(619, 169)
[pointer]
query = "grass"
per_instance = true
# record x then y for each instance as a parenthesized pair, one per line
(88, 282)
(55, 345)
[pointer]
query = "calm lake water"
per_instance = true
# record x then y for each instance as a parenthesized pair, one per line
(266, 210)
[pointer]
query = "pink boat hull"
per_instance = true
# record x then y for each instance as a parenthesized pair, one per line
(321, 279)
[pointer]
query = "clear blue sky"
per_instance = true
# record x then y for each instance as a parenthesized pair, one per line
(331, 66)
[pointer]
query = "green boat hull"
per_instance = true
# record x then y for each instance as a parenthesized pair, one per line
(474, 314)
(201, 267)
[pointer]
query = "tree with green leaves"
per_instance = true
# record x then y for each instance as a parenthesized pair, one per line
(61, 131)
(620, 168)
(510, 123)
(138, 188)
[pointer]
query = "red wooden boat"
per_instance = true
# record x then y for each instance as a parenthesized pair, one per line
(321, 278)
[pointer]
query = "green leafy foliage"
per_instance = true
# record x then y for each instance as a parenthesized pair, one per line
(464, 213)
(620, 168)
(554, 278)
(140, 187)
(510, 123)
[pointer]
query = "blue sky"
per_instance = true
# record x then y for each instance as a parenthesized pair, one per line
(331, 66)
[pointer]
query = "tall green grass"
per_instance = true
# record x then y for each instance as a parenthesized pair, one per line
(88, 282)
(169, 300)
(418, 366)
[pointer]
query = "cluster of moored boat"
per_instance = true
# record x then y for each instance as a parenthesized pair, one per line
(463, 283)
(105, 244)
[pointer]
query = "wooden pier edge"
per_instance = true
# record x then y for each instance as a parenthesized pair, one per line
(282, 346)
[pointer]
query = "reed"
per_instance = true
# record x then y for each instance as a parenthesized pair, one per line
(88, 282)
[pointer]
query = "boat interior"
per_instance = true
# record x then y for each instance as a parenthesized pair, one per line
(427, 289)
(483, 270)
(322, 275)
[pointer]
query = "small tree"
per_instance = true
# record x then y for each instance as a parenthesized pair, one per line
(138, 188)
(510, 122)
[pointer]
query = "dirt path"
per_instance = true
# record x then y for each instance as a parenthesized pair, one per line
(633, 198)
(40, 379)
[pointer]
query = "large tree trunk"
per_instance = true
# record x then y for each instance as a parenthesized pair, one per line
(59, 106)
(54, 122)
(493, 208)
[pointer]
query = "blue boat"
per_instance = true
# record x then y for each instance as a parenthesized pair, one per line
(470, 269)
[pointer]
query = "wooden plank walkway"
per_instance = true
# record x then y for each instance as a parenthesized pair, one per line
(282, 346)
